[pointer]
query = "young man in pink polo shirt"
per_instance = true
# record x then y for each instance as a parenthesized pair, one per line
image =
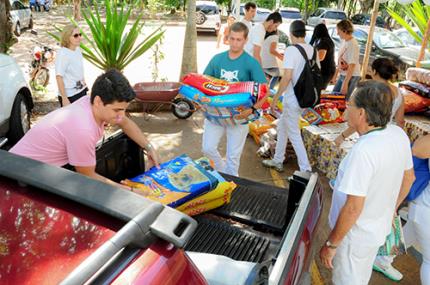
(69, 135)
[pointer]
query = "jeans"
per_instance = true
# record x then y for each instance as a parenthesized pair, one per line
(351, 86)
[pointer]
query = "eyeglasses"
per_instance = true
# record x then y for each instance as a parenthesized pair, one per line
(77, 35)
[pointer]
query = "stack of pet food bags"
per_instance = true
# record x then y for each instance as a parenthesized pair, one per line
(416, 91)
(329, 111)
(221, 100)
(192, 187)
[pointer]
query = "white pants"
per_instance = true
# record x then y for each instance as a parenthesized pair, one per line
(353, 264)
(236, 138)
(417, 232)
(288, 128)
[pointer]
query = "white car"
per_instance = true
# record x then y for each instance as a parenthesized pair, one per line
(290, 14)
(407, 38)
(208, 16)
(326, 16)
(15, 101)
(21, 17)
(261, 15)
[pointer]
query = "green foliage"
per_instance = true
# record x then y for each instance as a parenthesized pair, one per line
(418, 13)
(113, 44)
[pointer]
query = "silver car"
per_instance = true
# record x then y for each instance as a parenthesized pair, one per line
(326, 16)
(21, 16)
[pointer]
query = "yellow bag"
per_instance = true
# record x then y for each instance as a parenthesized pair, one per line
(205, 207)
(221, 192)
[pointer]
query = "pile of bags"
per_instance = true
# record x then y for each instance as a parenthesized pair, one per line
(192, 187)
(416, 91)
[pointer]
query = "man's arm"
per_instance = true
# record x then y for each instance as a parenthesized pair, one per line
(283, 84)
(90, 171)
(348, 216)
(133, 131)
(257, 54)
(421, 147)
(408, 180)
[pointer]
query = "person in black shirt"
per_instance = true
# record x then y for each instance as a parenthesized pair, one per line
(325, 47)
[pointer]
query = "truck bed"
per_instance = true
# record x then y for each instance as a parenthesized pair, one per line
(250, 228)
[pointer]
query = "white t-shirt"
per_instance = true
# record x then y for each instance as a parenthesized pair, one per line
(256, 37)
(349, 51)
(374, 169)
(70, 65)
(248, 24)
(268, 60)
(294, 60)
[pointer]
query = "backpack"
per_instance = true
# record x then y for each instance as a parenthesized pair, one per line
(308, 86)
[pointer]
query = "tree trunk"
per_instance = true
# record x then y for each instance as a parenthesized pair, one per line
(189, 53)
(6, 36)
(77, 10)
(366, 5)
(306, 10)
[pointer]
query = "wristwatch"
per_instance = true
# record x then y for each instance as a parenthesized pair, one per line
(149, 146)
(330, 245)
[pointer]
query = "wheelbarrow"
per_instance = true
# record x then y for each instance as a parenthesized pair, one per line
(162, 93)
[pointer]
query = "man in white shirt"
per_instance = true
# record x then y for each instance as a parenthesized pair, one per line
(372, 181)
(288, 124)
(258, 33)
(250, 10)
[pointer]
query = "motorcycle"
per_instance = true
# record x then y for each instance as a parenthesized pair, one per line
(39, 72)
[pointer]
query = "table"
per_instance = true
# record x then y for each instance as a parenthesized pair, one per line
(325, 156)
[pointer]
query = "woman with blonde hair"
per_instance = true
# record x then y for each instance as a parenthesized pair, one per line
(69, 67)
(348, 66)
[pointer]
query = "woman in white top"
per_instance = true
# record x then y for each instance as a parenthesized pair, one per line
(419, 213)
(384, 70)
(348, 67)
(223, 36)
(69, 67)
(269, 56)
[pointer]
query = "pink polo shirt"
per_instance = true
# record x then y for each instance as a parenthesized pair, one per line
(67, 135)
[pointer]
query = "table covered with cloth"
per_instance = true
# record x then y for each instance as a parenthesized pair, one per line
(325, 156)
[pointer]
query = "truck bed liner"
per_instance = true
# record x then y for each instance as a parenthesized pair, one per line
(264, 208)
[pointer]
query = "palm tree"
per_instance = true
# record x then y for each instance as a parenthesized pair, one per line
(77, 10)
(189, 54)
(6, 37)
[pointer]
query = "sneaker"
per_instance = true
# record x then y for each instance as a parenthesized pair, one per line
(389, 271)
(278, 166)
(331, 183)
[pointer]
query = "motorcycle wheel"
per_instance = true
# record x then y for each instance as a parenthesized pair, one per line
(41, 78)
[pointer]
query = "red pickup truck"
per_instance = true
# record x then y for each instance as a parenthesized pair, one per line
(59, 227)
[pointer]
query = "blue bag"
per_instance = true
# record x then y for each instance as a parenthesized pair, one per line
(422, 177)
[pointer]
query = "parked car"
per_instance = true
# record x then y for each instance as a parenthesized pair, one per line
(208, 16)
(60, 226)
(327, 16)
(385, 44)
(15, 101)
(261, 15)
(407, 38)
(290, 14)
(21, 17)
(284, 32)
(364, 19)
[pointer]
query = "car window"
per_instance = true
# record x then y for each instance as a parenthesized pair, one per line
(333, 34)
(360, 36)
(206, 9)
(407, 38)
(386, 39)
(317, 13)
(334, 15)
(15, 5)
(290, 14)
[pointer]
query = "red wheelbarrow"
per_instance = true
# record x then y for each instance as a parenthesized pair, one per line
(165, 93)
